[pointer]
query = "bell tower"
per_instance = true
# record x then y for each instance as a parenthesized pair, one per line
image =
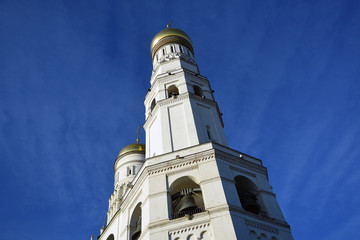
(186, 182)
(180, 108)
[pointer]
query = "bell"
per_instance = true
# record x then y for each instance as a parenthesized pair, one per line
(248, 202)
(137, 231)
(187, 202)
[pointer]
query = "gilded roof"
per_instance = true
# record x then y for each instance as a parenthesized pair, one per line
(135, 147)
(170, 32)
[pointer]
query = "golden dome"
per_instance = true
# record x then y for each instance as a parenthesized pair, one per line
(169, 35)
(135, 147)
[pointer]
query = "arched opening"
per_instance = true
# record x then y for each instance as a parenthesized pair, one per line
(247, 192)
(186, 197)
(263, 237)
(153, 103)
(197, 91)
(135, 223)
(173, 91)
(253, 235)
(111, 237)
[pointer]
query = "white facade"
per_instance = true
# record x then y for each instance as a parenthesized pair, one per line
(188, 184)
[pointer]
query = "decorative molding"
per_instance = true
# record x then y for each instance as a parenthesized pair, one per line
(262, 226)
(173, 99)
(185, 164)
(240, 162)
(188, 229)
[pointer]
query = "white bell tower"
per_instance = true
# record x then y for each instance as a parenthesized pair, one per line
(186, 183)
(180, 108)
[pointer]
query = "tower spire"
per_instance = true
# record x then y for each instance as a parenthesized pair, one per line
(167, 26)
(137, 133)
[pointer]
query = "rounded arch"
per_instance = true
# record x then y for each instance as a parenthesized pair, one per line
(247, 192)
(191, 237)
(197, 90)
(204, 235)
(263, 237)
(135, 222)
(186, 197)
(110, 237)
(173, 91)
(188, 179)
(253, 235)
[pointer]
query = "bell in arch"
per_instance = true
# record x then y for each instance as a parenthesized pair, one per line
(187, 202)
(248, 202)
(137, 231)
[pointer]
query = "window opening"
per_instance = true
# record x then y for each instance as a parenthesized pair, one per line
(186, 198)
(111, 237)
(153, 103)
(181, 49)
(172, 48)
(135, 223)
(208, 132)
(163, 51)
(173, 91)
(247, 192)
(197, 91)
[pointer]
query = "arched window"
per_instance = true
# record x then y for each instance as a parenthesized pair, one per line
(263, 237)
(253, 235)
(163, 51)
(197, 91)
(186, 197)
(173, 91)
(111, 237)
(247, 192)
(153, 103)
(172, 48)
(135, 223)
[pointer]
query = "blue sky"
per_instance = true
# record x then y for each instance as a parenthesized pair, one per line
(74, 74)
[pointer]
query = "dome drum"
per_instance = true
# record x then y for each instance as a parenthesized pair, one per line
(171, 39)
(132, 152)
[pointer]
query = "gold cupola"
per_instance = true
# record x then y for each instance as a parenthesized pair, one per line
(170, 35)
(134, 147)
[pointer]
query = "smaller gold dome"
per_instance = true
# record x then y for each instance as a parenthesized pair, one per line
(135, 147)
(168, 35)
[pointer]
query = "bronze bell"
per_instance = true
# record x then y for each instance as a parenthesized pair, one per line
(137, 231)
(187, 202)
(248, 202)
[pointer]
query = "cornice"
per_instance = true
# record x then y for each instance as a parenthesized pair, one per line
(240, 162)
(182, 164)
